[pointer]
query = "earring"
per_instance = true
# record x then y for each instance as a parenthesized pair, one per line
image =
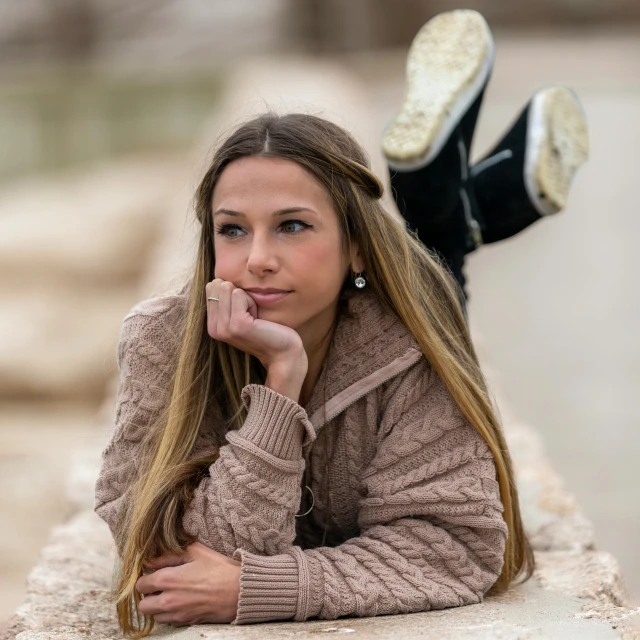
(360, 282)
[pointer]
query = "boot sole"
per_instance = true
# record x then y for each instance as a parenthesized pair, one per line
(448, 64)
(557, 145)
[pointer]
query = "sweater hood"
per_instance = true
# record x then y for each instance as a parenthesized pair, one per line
(370, 345)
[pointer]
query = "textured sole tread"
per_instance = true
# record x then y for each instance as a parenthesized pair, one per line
(564, 147)
(445, 65)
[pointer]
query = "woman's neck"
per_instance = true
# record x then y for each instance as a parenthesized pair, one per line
(316, 344)
(313, 373)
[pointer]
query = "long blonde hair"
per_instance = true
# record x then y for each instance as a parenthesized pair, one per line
(404, 275)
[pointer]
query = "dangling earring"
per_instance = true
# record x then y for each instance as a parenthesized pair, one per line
(360, 282)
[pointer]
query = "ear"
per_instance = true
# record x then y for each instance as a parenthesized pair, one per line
(357, 265)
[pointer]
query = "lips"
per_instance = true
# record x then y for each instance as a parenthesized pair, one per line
(266, 290)
(263, 299)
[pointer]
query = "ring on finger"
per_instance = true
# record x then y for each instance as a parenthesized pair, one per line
(216, 299)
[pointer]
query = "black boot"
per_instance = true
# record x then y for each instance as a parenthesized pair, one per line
(435, 199)
(427, 144)
(529, 172)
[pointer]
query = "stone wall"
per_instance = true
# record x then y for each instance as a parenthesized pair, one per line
(73, 248)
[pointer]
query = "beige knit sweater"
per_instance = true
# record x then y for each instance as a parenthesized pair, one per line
(415, 516)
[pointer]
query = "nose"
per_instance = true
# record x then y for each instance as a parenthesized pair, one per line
(263, 256)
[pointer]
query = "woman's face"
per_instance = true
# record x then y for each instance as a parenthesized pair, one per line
(276, 227)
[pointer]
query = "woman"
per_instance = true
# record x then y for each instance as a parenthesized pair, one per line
(326, 449)
(227, 395)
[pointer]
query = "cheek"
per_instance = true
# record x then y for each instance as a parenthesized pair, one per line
(226, 266)
(320, 259)
(318, 275)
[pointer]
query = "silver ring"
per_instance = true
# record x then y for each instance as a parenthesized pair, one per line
(216, 299)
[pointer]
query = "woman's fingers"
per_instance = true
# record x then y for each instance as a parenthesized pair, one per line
(212, 290)
(224, 307)
(147, 584)
(219, 311)
(252, 307)
(230, 305)
(166, 578)
(151, 605)
(166, 560)
(240, 305)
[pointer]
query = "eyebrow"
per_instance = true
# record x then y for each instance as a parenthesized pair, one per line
(281, 212)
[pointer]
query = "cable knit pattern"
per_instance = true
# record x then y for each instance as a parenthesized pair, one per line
(253, 490)
(415, 519)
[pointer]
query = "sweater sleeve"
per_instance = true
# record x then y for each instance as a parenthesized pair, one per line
(144, 367)
(431, 528)
(252, 492)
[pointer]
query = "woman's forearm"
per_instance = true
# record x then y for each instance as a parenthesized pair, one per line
(252, 492)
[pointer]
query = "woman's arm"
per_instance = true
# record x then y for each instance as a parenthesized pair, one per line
(144, 357)
(432, 532)
(252, 492)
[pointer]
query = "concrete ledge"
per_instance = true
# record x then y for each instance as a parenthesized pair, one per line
(572, 596)
(577, 591)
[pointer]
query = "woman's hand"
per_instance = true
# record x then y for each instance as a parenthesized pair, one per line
(234, 319)
(201, 585)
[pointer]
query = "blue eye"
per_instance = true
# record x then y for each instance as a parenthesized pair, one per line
(304, 224)
(224, 228)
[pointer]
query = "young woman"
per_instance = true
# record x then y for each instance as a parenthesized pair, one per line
(303, 430)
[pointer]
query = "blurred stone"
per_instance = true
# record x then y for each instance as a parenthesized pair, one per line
(36, 445)
(72, 250)
(69, 591)
(593, 575)
(60, 342)
(551, 515)
(81, 481)
(89, 228)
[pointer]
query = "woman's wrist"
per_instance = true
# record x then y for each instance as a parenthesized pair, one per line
(287, 377)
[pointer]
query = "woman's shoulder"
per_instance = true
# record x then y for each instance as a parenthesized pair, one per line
(161, 305)
(156, 321)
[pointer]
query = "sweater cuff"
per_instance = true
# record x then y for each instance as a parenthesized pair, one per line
(276, 424)
(269, 587)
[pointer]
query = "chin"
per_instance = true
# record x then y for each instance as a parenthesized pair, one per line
(272, 314)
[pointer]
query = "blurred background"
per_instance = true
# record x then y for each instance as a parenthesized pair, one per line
(107, 112)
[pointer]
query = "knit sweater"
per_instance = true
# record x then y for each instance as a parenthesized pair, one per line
(405, 484)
